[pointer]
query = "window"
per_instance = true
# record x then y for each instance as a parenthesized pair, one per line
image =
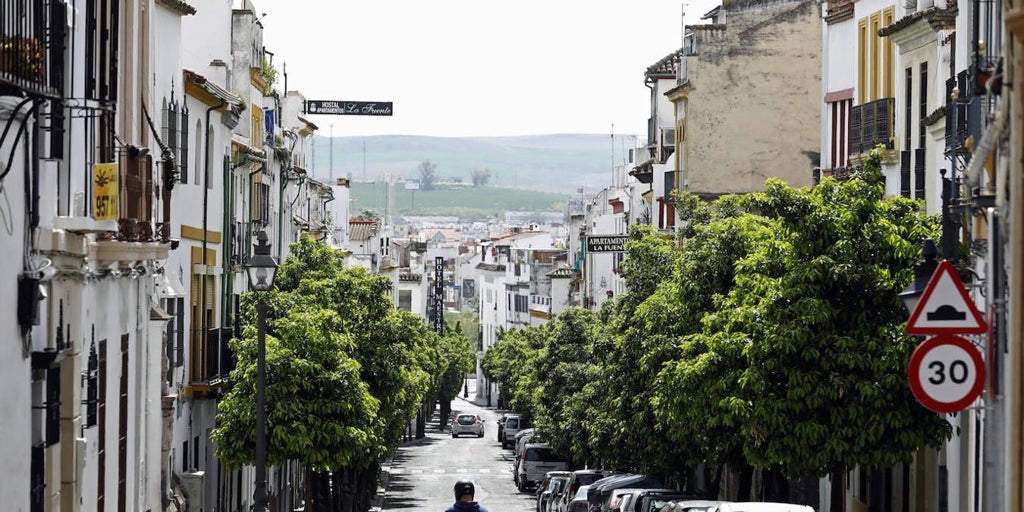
(175, 307)
(199, 154)
(923, 110)
(175, 134)
(136, 196)
(875, 57)
(211, 132)
(256, 136)
(203, 317)
(260, 207)
(405, 300)
(91, 379)
(908, 106)
(839, 114)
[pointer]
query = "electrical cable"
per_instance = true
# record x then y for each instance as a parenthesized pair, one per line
(17, 138)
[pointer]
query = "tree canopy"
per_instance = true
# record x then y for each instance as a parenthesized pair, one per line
(768, 333)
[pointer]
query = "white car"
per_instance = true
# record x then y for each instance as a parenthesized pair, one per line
(467, 424)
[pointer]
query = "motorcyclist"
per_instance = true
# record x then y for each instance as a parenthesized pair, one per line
(464, 493)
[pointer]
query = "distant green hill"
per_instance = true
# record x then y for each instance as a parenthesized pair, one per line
(465, 202)
(549, 163)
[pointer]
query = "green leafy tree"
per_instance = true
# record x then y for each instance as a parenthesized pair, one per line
(805, 358)
(346, 373)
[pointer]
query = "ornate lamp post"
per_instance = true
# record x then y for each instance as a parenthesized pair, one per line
(261, 269)
(922, 274)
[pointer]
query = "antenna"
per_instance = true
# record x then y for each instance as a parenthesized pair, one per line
(682, 19)
(613, 150)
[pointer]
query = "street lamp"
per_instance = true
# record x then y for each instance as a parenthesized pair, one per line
(261, 269)
(922, 274)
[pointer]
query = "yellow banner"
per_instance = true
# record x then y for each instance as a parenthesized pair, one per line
(104, 191)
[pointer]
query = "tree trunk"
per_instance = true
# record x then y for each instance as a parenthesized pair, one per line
(321, 493)
(774, 486)
(446, 411)
(746, 481)
(837, 495)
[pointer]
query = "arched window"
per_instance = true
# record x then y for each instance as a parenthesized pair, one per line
(198, 151)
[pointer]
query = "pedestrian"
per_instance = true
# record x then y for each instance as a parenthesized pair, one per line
(464, 493)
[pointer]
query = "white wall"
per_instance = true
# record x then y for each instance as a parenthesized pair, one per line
(15, 375)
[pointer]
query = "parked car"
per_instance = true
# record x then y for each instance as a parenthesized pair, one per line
(557, 498)
(603, 488)
(655, 500)
(521, 438)
(467, 424)
(579, 478)
(691, 506)
(578, 502)
(552, 483)
(501, 427)
(620, 500)
(729, 506)
(513, 424)
(537, 460)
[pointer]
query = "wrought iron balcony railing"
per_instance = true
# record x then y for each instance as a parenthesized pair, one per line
(33, 42)
(872, 124)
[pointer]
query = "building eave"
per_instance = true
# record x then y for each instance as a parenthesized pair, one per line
(179, 7)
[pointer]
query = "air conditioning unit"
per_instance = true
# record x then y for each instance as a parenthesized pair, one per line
(668, 137)
(192, 486)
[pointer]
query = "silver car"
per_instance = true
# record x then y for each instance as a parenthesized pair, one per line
(467, 424)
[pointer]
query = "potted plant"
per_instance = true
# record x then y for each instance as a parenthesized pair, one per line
(23, 57)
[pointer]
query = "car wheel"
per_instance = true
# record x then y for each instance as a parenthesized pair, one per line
(521, 485)
(454, 435)
(481, 434)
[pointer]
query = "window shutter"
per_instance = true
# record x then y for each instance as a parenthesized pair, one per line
(905, 173)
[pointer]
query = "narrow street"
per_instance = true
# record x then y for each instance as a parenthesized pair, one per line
(424, 471)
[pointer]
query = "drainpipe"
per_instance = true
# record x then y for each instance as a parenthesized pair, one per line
(229, 211)
(327, 231)
(206, 207)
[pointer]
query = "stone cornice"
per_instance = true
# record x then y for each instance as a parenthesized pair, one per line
(180, 7)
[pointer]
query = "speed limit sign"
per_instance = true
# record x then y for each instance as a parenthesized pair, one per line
(946, 373)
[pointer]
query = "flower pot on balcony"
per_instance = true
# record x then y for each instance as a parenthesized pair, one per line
(23, 57)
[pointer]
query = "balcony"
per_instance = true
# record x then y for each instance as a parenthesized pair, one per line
(33, 37)
(872, 124)
(212, 359)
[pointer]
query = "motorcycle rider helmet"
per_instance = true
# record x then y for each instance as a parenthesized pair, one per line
(464, 488)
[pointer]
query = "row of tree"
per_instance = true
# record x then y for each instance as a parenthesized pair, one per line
(766, 334)
(346, 375)
(429, 179)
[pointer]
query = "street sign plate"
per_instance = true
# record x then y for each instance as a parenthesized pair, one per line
(945, 307)
(606, 243)
(946, 373)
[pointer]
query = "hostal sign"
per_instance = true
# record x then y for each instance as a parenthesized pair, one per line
(349, 108)
(606, 243)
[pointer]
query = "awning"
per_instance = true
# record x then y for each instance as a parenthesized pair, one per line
(986, 145)
(170, 286)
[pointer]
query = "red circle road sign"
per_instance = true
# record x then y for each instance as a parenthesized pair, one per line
(946, 373)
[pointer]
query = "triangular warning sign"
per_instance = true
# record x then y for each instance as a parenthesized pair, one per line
(945, 307)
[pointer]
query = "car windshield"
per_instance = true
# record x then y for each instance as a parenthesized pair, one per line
(588, 478)
(512, 423)
(467, 419)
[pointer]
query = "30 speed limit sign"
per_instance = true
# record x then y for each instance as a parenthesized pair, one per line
(946, 373)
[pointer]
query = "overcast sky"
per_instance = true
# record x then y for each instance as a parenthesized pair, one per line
(457, 68)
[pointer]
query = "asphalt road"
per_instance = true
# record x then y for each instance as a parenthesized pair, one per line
(424, 471)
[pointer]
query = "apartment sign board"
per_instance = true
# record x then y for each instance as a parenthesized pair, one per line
(104, 191)
(349, 108)
(606, 243)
